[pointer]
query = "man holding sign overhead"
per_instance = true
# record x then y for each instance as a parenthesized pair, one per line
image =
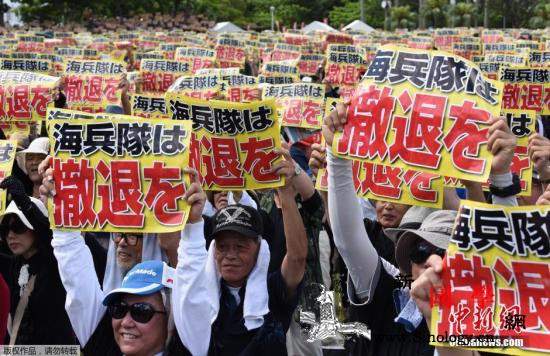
(225, 301)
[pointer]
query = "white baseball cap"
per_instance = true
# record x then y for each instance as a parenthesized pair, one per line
(13, 209)
(38, 145)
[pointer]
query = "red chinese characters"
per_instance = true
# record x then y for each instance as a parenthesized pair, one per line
(90, 91)
(229, 54)
(74, 199)
(473, 299)
(162, 196)
(22, 101)
(225, 162)
(259, 159)
(472, 285)
(465, 138)
(221, 162)
(123, 197)
(417, 139)
(530, 295)
(525, 96)
(238, 94)
(392, 182)
(309, 67)
(301, 112)
(200, 63)
(121, 203)
(157, 82)
(369, 117)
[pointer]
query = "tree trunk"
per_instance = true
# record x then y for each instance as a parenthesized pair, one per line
(2, 6)
(486, 14)
(177, 4)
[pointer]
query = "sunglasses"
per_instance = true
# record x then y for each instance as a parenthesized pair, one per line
(131, 239)
(140, 312)
(423, 250)
(15, 225)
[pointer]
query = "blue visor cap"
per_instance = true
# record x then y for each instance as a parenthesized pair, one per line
(145, 278)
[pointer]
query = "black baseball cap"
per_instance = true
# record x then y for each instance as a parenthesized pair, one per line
(242, 219)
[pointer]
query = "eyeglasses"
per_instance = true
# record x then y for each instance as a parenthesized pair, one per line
(15, 225)
(131, 239)
(423, 250)
(140, 312)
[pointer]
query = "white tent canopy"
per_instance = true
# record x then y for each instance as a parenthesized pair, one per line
(318, 26)
(226, 27)
(358, 25)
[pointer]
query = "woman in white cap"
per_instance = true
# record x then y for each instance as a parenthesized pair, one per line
(37, 297)
(29, 159)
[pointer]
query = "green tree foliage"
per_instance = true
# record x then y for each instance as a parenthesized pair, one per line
(351, 10)
(512, 13)
(402, 17)
(542, 15)
(75, 10)
(463, 14)
(437, 13)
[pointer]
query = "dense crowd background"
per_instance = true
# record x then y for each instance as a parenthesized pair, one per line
(234, 281)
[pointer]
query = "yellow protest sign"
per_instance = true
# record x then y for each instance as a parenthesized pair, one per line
(522, 125)
(28, 65)
(345, 65)
(148, 106)
(230, 53)
(119, 175)
(197, 86)
(527, 45)
(490, 69)
(169, 49)
(198, 57)
(539, 58)
(414, 112)
(510, 59)
(501, 47)
(300, 104)
(29, 43)
(285, 52)
(492, 36)
(467, 49)
(284, 72)
(444, 38)
(232, 143)
(496, 281)
(219, 71)
(23, 100)
(526, 88)
(386, 183)
(310, 64)
(7, 156)
(240, 88)
(392, 184)
(91, 85)
(420, 42)
(158, 74)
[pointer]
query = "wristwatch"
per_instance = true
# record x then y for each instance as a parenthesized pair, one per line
(510, 190)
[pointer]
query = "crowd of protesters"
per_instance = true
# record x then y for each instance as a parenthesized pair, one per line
(234, 281)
